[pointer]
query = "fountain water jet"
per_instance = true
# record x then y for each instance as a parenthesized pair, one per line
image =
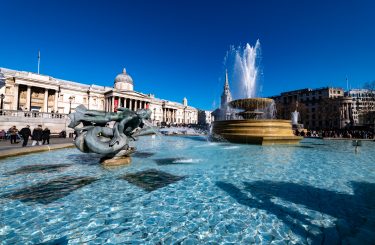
(255, 117)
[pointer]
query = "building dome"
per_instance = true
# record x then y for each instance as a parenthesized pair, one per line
(123, 81)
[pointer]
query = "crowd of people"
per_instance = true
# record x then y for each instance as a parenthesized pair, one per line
(39, 135)
(338, 133)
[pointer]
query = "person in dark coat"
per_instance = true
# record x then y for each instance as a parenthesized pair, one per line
(13, 134)
(25, 133)
(37, 135)
(45, 135)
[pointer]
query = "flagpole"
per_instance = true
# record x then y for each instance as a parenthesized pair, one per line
(38, 60)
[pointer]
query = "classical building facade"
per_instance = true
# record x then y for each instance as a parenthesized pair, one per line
(35, 94)
(363, 105)
(320, 108)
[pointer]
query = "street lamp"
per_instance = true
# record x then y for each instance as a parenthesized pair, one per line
(88, 99)
(154, 115)
(2, 96)
(70, 103)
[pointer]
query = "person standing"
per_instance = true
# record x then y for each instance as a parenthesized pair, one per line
(37, 135)
(13, 135)
(45, 135)
(25, 133)
(2, 134)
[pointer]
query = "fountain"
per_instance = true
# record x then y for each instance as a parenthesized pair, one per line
(295, 115)
(253, 120)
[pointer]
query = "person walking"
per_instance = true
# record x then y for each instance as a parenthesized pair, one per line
(13, 135)
(45, 135)
(25, 133)
(37, 135)
(2, 134)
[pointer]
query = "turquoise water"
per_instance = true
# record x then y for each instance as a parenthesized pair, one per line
(190, 191)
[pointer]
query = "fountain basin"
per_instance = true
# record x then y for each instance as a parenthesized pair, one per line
(260, 132)
(250, 104)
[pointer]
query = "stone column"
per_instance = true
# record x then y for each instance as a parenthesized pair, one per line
(28, 98)
(130, 104)
(55, 108)
(347, 111)
(15, 97)
(135, 105)
(125, 102)
(113, 104)
(45, 103)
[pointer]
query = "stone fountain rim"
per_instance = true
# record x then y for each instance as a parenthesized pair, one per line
(255, 120)
(233, 103)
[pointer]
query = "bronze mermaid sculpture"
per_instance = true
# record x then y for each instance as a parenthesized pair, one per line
(95, 135)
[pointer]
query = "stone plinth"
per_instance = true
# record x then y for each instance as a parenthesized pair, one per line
(117, 161)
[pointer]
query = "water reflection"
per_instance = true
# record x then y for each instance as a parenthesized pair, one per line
(50, 191)
(151, 179)
(351, 211)
(39, 168)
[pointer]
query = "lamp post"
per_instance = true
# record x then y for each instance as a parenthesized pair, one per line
(88, 99)
(154, 116)
(2, 96)
(70, 103)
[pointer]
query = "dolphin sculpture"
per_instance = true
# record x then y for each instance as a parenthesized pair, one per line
(96, 137)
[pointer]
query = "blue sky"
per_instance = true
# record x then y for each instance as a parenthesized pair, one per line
(177, 48)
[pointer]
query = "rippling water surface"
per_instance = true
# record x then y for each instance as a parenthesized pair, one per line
(191, 191)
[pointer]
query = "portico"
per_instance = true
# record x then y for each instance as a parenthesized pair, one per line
(129, 100)
(34, 95)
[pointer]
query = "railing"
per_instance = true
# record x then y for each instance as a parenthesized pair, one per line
(31, 114)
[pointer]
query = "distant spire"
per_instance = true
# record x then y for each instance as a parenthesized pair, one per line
(124, 71)
(226, 78)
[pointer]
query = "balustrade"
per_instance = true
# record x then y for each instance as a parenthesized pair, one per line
(31, 114)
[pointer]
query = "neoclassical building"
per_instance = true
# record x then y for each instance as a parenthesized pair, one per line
(43, 94)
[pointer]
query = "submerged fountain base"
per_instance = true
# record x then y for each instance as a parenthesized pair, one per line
(254, 131)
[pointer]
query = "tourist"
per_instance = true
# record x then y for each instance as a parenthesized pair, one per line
(13, 135)
(25, 133)
(45, 135)
(2, 134)
(37, 135)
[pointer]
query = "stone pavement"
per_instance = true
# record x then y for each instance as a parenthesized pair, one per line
(7, 149)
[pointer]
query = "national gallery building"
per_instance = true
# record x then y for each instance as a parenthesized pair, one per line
(26, 94)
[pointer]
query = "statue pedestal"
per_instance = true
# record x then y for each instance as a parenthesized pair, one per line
(120, 159)
(116, 161)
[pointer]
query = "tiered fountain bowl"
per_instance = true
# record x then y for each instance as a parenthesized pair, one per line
(252, 129)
